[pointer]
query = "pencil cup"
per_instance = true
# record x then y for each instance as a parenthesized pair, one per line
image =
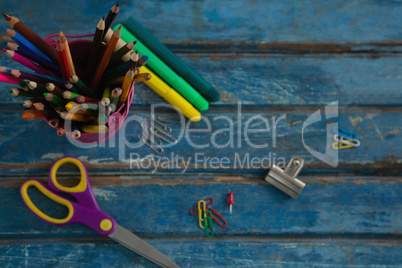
(79, 52)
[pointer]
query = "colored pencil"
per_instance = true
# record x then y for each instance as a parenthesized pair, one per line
(31, 36)
(107, 110)
(23, 42)
(32, 114)
(71, 105)
(133, 61)
(77, 117)
(94, 128)
(28, 103)
(24, 85)
(105, 101)
(102, 119)
(40, 106)
(137, 78)
(81, 85)
(126, 87)
(52, 98)
(142, 60)
(120, 43)
(54, 89)
(60, 130)
(94, 51)
(37, 87)
(68, 95)
(63, 60)
(21, 93)
(111, 16)
(9, 79)
(26, 62)
(35, 77)
(68, 85)
(82, 99)
(76, 133)
(116, 93)
(54, 122)
(105, 59)
(91, 107)
(50, 66)
(70, 62)
(121, 52)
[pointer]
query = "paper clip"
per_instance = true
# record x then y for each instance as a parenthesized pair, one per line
(168, 118)
(345, 133)
(339, 145)
(201, 214)
(346, 141)
(218, 219)
(209, 224)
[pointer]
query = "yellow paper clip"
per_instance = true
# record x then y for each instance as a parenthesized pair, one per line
(201, 213)
(339, 145)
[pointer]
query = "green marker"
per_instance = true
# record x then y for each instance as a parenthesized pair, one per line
(177, 64)
(166, 73)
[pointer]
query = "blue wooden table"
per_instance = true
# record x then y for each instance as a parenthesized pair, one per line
(269, 59)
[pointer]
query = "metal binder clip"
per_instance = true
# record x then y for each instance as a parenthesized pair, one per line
(285, 180)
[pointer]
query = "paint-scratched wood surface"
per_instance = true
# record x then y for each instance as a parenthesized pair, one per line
(279, 60)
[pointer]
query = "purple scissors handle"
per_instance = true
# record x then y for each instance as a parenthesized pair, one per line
(84, 211)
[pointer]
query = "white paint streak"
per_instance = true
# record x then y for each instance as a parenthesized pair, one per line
(94, 161)
(103, 194)
(52, 156)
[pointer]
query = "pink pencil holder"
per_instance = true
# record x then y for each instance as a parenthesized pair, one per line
(79, 52)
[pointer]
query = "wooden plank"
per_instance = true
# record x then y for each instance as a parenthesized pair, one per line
(227, 21)
(282, 80)
(207, 253)
(380, 149)
(338, 207)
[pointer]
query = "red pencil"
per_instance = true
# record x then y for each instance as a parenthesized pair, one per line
(61, 53)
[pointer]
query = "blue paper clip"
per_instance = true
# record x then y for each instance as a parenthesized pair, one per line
(345, 133)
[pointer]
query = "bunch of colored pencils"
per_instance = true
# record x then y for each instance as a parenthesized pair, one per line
(62, 86)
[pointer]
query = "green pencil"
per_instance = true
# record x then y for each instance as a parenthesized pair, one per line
(167, 74)
(81, 85)
(68, 95)
(178, 65)
(52, 98)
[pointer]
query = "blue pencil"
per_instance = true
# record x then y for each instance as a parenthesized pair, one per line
(23, 42)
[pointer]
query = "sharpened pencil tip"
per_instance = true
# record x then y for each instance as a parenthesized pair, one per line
(117, 4)
(6, 16)
(26, 116)
(5, 29)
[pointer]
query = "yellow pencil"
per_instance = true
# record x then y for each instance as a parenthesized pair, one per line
(126, 87)
(94, 128)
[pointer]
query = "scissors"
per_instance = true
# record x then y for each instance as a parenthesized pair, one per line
(86, 211)
(220, 220)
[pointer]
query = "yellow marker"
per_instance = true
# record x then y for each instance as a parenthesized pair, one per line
(171, 96)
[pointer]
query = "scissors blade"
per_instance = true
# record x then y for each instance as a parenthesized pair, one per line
(139, 246)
